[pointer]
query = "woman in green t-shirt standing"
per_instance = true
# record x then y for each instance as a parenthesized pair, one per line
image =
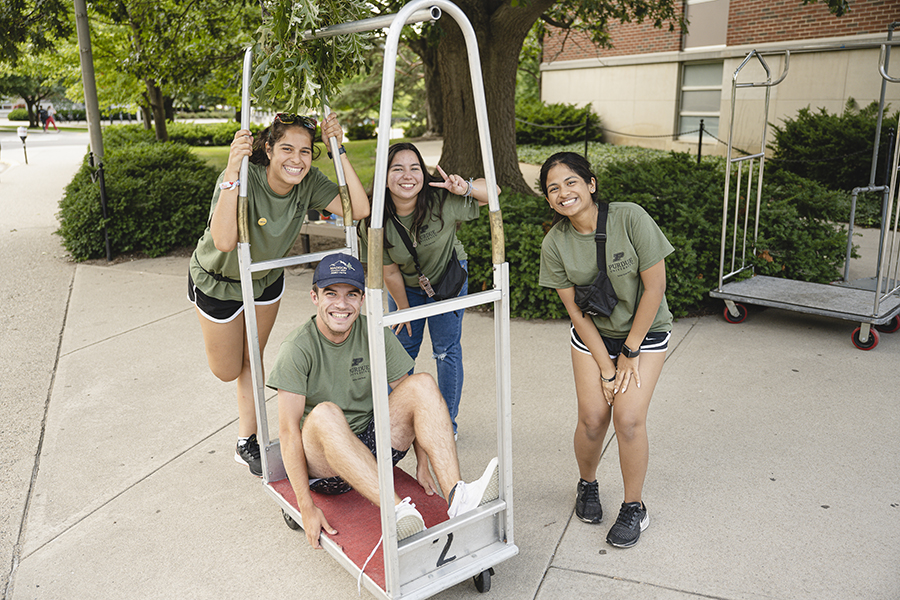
(616, 359)
(282, 186)
(428, 216)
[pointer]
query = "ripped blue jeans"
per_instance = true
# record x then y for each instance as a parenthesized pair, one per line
(445, 331)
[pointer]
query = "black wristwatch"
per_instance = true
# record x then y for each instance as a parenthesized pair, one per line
(629, 353)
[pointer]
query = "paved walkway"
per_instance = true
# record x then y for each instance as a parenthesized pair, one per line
(773, 471)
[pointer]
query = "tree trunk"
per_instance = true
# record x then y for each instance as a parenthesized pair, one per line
(500, 37)
(32, 113)
(169, 104)
(155, 97)
(434, 104)
(146, 113)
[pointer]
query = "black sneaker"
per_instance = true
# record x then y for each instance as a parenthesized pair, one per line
(633, 519)
(248, 454)
(587, 503)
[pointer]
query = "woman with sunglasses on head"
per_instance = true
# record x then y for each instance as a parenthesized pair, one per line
(282, 186)
(616, 359)
(426, 209)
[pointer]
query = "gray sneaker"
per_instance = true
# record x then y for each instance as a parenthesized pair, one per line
(587, 502)
(633, 519)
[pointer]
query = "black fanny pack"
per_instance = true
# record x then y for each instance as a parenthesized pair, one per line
(598, 298)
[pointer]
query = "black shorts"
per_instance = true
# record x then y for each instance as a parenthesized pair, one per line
(336, 485)
(224, 311)
(656, 341)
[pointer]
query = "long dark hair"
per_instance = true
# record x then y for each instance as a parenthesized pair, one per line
(579, 165)
(274, 132)
(430, 200)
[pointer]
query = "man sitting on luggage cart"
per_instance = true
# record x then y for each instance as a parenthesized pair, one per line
(326, 413)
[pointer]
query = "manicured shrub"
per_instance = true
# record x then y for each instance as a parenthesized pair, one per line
(525, 221)
(836, 151)
(414, 129)
(361, 131)
(158, 198)
(545, 124)
(18, 114)
(192, 134)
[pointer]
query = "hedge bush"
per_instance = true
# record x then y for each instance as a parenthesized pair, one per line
(361, 131)
(158, 199)
(18, 114)
(797, 237)
(836, 151)
(191, 134)
(555, 123)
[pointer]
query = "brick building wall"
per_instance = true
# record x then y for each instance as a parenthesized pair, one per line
(784, 20)
(749, 21)
(628, 38)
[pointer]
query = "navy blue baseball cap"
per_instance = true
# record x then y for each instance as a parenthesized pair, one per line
(340, 268)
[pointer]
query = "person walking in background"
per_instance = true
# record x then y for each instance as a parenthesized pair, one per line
(42, 115)
(282, 185)
(50, 120)
(616, 359)
(422, 212)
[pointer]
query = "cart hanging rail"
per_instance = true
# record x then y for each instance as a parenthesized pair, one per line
(871, 304)
(465, 546)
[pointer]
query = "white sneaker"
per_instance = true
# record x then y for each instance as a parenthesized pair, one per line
(409, 520)
(468, 496)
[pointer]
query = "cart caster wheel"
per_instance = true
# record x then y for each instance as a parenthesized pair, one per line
(742, 314)
(483, 580)
(870, 343)
(290, 521)
(891, 326)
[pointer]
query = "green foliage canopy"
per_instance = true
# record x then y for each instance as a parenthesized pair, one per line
(293, 73)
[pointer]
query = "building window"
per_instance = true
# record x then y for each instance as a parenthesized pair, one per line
(701, 98)
(708, 23)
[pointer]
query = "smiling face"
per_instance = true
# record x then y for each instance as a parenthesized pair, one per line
(289, 159)
(567, 192)
(337, 308)
(405, 177)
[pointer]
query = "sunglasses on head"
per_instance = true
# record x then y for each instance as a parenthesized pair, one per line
(291, 118)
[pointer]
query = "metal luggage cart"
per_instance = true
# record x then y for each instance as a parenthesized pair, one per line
(450, 551)
(874, 303)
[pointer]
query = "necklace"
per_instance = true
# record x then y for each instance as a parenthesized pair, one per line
(415, 242)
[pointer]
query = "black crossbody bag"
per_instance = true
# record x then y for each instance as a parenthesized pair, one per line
(454, 277)
(598, 298)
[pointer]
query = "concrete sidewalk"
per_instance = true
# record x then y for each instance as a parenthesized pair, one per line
(773, 469)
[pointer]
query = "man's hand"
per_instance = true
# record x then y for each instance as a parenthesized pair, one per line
(423, 475)
(314, 522)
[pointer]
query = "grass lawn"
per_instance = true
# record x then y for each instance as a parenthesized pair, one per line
(361, 154)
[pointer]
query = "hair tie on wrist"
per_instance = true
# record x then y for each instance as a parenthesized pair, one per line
(469, 188)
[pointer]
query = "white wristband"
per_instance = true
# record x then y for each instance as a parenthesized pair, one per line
(229, 185)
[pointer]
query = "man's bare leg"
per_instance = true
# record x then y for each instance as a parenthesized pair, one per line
(418, 411)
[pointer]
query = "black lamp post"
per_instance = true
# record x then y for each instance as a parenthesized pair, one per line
(23, 133)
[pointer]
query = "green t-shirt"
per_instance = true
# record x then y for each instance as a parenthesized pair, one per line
(634, 243)
(311, 365)
(274, 223)
(436, 242)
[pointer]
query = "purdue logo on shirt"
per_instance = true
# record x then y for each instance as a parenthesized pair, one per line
(619, 266)
(357, 368)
